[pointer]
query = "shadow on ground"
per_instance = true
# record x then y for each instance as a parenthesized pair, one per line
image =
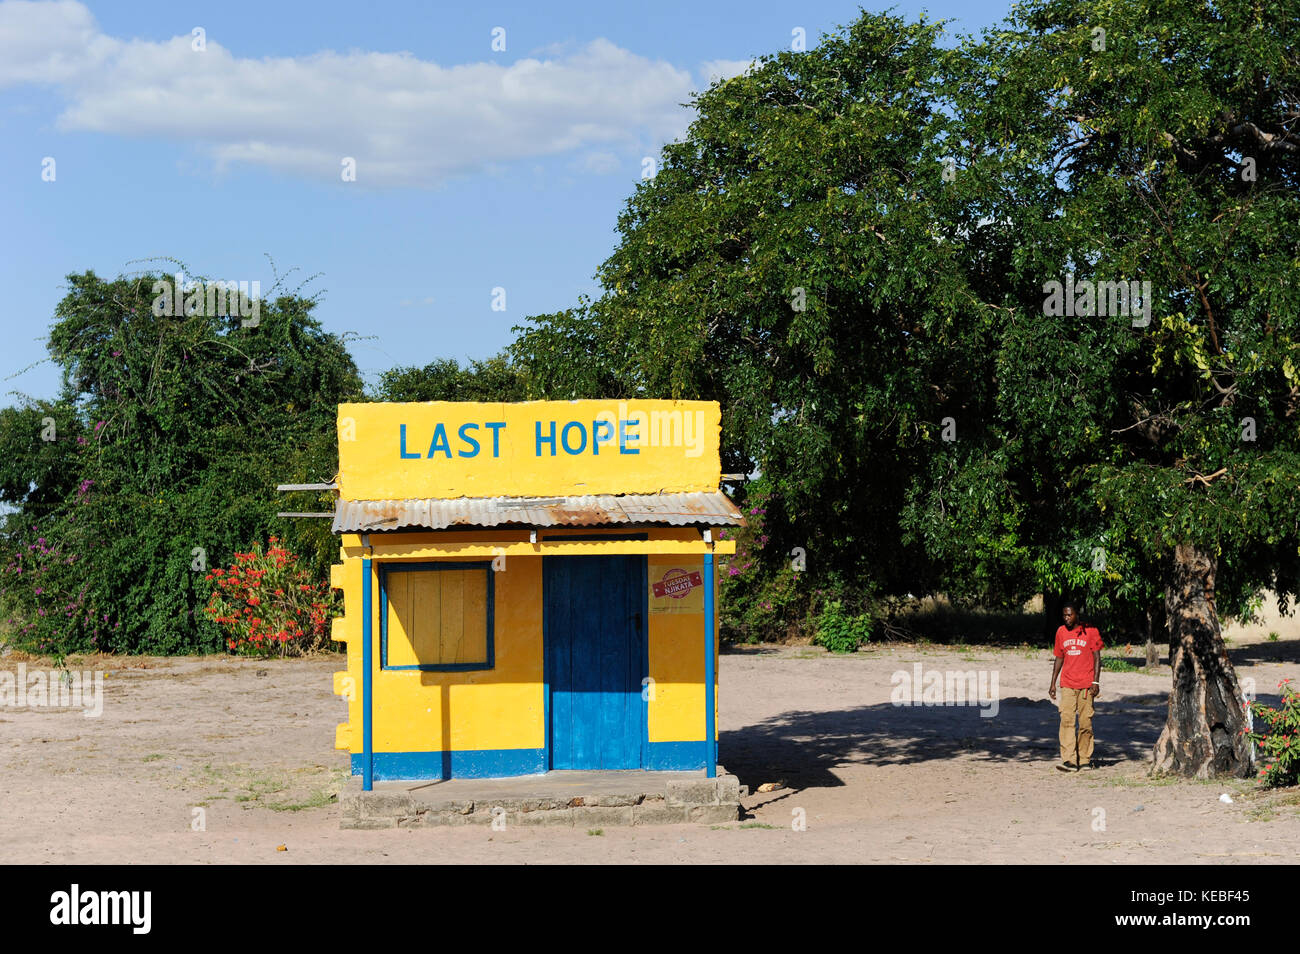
(1282, 651)
(803, 749)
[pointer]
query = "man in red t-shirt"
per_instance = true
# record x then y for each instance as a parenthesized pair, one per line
(1078, 663)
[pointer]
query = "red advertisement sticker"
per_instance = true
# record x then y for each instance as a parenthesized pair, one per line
(676, 584)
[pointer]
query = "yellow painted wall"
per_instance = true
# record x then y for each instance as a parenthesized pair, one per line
(676, 714)
(415, 711)
(504, 707)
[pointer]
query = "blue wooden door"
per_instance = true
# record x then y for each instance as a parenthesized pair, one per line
(594, 631)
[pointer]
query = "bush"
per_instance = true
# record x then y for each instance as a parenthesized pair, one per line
(842, 632)
(1117, 664)
(1279, 747)
(49, 602)
(268, 606)
(158, 461)
(762, 597)
(756, 609)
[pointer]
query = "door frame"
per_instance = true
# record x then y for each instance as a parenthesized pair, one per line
(642, 582)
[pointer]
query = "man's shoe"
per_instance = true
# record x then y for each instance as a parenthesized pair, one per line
(1066, 767)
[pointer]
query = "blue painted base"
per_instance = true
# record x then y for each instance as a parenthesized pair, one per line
(503, 763)
(479, 763)
(677, 756)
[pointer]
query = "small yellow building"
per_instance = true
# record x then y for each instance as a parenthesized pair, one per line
(529, 586)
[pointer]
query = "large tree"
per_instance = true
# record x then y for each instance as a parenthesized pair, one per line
(159, 459)
(1157, 143)
(853, 249)
(783, 261)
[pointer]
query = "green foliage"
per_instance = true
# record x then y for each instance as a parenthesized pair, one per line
(842, 632)
(170, 436)
(849, 250)
(758, 607)
(46, 591)
(445, 380)
(1278, 747)
(782, 262)
(967, 513)
(571, 354)
(1122, 161)
(758, 603)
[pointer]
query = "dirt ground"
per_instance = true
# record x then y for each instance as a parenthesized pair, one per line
(251, 744)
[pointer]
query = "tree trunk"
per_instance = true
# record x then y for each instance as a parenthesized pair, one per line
(1203, 732)
(1157, 629)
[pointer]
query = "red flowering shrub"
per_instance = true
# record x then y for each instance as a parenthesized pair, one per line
(1279, 747)
(268, 606)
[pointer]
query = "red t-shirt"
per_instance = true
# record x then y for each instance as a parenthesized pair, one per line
(1076, 647)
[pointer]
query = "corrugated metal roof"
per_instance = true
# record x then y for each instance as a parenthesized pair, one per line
(710, 507)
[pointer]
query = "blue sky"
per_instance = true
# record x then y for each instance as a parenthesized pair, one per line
(476, 168)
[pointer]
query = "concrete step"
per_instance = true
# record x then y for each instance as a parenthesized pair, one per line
(567, 799)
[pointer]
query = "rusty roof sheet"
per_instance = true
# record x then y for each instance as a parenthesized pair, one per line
(710, 507)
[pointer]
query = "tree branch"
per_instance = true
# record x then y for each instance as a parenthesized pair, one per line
(1204, 479)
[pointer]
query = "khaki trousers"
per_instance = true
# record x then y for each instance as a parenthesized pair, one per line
(1076, 702)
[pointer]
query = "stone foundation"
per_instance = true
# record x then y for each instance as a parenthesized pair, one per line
(421, 805)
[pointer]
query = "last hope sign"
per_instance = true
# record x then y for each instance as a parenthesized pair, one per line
(572, 438)
(454, 449)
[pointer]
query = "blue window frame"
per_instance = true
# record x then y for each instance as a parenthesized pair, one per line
(454, 634)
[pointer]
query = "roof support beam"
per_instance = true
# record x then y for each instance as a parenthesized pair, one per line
(389, 550)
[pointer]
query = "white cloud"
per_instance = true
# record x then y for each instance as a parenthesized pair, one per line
(49, 42)
(406, 121)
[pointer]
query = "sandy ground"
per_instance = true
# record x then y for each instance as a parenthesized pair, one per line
(251, 744)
